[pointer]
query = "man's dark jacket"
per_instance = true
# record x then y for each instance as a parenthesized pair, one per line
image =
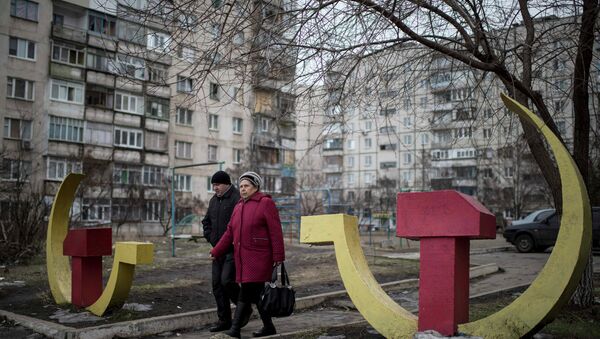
(219, 212)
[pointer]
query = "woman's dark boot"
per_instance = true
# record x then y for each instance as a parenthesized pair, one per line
(240, 316)
(268, 327)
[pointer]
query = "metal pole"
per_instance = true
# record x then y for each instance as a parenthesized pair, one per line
(173, 212)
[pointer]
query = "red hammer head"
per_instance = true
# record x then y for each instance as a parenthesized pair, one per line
(443, 214)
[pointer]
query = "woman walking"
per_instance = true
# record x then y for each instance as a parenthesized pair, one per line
(255, 232)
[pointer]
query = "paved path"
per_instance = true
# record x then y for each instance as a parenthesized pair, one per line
(519, 268)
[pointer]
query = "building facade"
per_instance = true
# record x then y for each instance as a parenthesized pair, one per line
(124, 90)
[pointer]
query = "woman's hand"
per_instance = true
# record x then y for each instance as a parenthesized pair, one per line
(211, 256)
(277, 263)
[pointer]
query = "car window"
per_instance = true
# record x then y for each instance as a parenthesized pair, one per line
(543, 215)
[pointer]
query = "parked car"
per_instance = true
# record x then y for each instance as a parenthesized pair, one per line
(539, 230)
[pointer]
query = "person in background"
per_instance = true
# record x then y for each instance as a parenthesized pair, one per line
(257, 238)
(220, 207)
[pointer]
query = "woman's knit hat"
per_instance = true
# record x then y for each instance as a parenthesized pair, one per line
(253, 177)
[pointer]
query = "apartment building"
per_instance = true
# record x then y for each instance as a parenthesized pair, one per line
(124, 90)
(413, 120)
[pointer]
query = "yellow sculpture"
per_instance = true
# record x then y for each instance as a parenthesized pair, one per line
(534, 308)
(127, 255)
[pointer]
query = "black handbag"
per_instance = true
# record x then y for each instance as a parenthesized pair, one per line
(278, 301)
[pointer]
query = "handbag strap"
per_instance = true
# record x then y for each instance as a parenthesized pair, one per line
(285, 280)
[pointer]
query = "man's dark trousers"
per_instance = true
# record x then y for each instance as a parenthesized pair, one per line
(224, 287)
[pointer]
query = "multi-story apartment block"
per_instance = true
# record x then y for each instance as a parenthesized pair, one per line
(413, 120)
(124, 90)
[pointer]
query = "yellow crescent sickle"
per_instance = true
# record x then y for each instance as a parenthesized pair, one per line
(534, 308)
(127, 255)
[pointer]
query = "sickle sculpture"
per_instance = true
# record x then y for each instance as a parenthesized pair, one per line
(127, 255)
(533, 309)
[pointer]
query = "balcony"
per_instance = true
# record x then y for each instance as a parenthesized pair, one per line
(63, 71)
(332, 169)
(70, 33)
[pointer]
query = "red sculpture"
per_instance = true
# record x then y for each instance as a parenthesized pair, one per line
(86, 246)
(444, 221)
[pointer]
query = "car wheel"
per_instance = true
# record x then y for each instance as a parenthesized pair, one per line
(524, 243)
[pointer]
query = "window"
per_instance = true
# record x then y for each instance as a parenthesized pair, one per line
(368, 178)
(102, 24)
(213, 122)
(184, 84)
(98, 134)
(158, 40)
(423, 101)
(237, 155)
(125, 210)
(387, 112)
(387, 147)
(407, 177)
(387, 164)
(187, 53)
(350, 144)
(98, 210)
(66, 129)
(130, 66)
(17, 129)
(368, 143)
(488, 113)
(15, 169)
(184, 116)
(368, 160)
(407, 139)
(183, 149)
(212, 153)
(217, 3)
(188, 21)
(154, 211)
(387, 129)
(157, 74)
(264, 124)
(129, 103)
(350, 179)
(368, 126)
(126, 137)
(21, 48)
(561, 125)
(19, 89)
(407, 158)
(238, 38)
(214, 91)
(183, 183)
(156, 141)
(58, 168)
(487, 133)
(158, 107)
(238, 125)
(68, 53)
(407, 121)
(215, 30)
(24, 9)
(99, 97)
(424, 139)
(350, 161)
(132, 32)
(487, 173)
(100, 61)
(66, 91)
(508, 172)
(463, 132)
(127, 174)
(153, 175)
(209, 188)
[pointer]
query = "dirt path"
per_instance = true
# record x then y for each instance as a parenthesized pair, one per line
(182, 284)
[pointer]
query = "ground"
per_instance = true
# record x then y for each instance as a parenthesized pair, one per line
(183, 283)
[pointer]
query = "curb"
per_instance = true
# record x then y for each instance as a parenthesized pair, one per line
(155, 325)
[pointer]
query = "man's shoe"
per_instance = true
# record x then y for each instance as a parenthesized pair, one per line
(232, 332)
(265, 331)
(220, 326)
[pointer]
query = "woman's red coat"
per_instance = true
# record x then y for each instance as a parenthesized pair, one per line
(255, 232)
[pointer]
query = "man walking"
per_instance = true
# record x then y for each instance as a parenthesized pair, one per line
(215, 223)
